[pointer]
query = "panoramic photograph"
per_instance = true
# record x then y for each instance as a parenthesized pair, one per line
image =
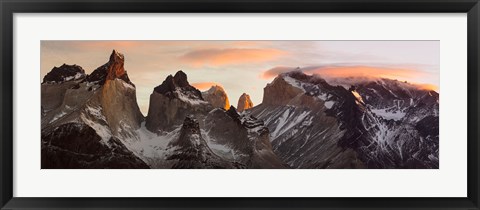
(240, 104)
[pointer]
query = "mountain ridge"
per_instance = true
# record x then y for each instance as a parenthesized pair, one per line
(304, 121)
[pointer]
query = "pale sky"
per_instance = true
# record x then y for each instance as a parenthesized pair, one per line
(247, 66)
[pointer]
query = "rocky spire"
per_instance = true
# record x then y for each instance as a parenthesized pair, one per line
(113, 69)
(217, 97)
(190, 133)
(180, 82)
(180, 79)
(244, 102)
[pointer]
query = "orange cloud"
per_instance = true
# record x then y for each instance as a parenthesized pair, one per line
(327, 72)
(217, 57)
(366, 71)
(427, 87)
(349, 71)
(204, 85)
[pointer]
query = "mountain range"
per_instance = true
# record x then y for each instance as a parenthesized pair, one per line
(304, 121)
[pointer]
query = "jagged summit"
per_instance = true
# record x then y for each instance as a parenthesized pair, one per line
(181, 79)
(190, 129)
(113, 69)
(116, 56)
(232, 112)
(116, 66)
(173, 85)
(172, 101)
(64, 73)
(217, 96)
(301, 76)
(244, 102)
(347, 82)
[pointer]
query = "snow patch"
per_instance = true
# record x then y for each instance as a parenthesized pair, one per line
(285, 123)
(128, 85)
(149, 146)
(96, 112)
(221, 150)
(102, 130)
(329, 104)
(74, 77)
(58, 116)
(190, 100)
(389, 115)
(293, 82)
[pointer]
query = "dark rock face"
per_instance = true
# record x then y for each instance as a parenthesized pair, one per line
(245, 135)
(99, 75)
(191, 150)
(178, 82)
(172, 101)
(64, 73)
(77, 146)
(391, 113)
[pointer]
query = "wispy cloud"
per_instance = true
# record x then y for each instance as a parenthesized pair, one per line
(204, 85)
(220, 57)
(348, 71)
(360, 71)
(427, 86)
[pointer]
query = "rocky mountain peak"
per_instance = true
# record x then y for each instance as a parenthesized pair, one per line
(64, 73)
(173, 86)
(217, 96)
(116, 57)
(189, 133)
(302, 77)
(180, 79)
(244, 102)
(190, 124)
(279, 92)
(232, 112)
(113, 69)
(172, 101)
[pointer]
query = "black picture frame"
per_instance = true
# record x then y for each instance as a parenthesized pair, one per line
(10, 7)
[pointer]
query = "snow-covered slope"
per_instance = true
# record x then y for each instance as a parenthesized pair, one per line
(190, 150)
(240, 138)
(374, 124)
(304, 134)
